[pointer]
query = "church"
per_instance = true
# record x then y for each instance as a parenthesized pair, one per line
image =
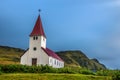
(37, 53)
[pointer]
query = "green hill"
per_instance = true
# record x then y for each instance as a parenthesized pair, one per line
(78, 58)
(10, 55)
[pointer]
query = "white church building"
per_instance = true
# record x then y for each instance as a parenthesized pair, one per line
(38, 53)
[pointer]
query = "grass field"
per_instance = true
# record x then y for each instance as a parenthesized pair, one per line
(51, 76)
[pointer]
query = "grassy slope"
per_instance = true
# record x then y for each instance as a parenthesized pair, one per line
(32, 76)
(10, 55)
(77, 58)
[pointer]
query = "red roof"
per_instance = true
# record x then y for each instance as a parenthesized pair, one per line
(52, 54)
(38, 29)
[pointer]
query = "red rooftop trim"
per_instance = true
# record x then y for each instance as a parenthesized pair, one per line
(38, 29)
(51, 53)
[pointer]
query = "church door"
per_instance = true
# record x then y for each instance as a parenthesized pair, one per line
(34, 61)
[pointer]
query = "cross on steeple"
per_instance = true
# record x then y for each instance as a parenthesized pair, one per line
(39, 10)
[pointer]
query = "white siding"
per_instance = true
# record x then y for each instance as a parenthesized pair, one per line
(40, 42)
(24, 58)
(43, 42)
(40, 55)
(50, 61)
(55, 63)
(42, 59)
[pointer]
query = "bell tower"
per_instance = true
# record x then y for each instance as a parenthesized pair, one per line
(37, 36)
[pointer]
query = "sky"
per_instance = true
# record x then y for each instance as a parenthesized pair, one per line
(92, 26)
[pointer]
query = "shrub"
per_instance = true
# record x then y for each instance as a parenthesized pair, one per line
(46, 69)
(105, 73)
(116, 75)
(86, 71)
(14, 68)
(100, 73)
(0, 71)
(27, 69)
(66, 70)
(42, 69)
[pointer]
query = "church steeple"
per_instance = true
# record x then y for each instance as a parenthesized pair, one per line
(37, 36)
(38, 29)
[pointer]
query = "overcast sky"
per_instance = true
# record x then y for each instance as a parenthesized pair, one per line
(92, 26)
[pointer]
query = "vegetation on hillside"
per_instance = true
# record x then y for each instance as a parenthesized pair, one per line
(42, 69)
(9, 55)
(78, 58)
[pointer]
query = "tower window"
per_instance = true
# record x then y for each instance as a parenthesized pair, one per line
(35, 38)
(34, 48)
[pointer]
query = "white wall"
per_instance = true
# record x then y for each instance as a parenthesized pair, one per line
(55, 63)
(40, 42)
(42, 58)
(24, 58)
(43, 42)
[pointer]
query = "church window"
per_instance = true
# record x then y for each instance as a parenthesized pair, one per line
(36, 37)
(50, 60)
(34, 48)
(59, 63)
(55, 62)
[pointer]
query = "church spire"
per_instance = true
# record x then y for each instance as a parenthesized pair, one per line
(38, 29)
